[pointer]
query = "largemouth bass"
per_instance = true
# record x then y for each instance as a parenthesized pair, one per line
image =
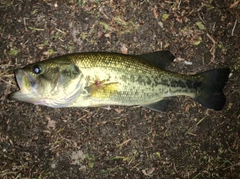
(100, 79)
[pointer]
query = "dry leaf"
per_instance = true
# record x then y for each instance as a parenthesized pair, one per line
(233, 5)
(155, 13)
(100, 33)
(77, 157)
(178, 59)
(187, 108)
(51, 124)
(124, 49)
(55, 4)
(148, 172)
(107, 35)
(187, 62)
(180, 19)
(118, 110)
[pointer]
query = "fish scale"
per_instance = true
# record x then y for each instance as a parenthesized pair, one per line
(134, 85)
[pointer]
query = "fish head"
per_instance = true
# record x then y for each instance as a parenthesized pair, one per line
(53, 83)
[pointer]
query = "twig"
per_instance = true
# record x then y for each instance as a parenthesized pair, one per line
(125, 142)
(233, 165)
(179, 4)
(200, 120)
(235, 24)
(136, 165)
(8, 82)
(213, 49)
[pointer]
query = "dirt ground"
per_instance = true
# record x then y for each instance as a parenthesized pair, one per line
(187, 141)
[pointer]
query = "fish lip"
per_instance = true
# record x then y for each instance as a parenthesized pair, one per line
(12, 96)
(19, 75)
(16, 95)
(24, 83)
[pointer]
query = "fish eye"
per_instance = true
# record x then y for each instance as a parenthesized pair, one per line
(37, 69)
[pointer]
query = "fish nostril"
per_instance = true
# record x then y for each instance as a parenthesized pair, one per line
(33, 84)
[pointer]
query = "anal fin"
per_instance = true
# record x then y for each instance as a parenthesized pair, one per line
(160, 106)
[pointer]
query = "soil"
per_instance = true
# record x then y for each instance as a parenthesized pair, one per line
(187, 141)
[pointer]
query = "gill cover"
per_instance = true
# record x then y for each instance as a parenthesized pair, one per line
(68, 87)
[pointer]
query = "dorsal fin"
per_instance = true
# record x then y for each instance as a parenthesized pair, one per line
(160, 59)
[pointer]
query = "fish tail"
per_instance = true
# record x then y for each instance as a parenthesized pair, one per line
(211, 94)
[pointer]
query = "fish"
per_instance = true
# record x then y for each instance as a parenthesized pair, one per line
(98, 79)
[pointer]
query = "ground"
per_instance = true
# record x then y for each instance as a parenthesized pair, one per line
(187, 141)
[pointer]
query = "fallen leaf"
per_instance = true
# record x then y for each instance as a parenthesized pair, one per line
(187, 63)
(124, 49)
(77, 157)
(165, 17)
(155, 13)
(107, 35)
(118, 110)
(197, 41)
(51, 124)
(179, 59)
(100, 33)
(180, 19)
(233, 5)
(55, 4)
(160, 24)
(148, 172)
(187, 108)
(166, 45)
(200, 25)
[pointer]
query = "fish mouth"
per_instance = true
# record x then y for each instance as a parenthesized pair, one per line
(25, 83)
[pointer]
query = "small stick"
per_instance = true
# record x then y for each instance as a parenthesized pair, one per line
(235, 24)
(125, 142)
(213, 49)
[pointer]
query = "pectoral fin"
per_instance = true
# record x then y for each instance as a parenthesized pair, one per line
(160, 106)
(100, 89)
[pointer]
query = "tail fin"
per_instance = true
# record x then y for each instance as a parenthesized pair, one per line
(212, 90)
